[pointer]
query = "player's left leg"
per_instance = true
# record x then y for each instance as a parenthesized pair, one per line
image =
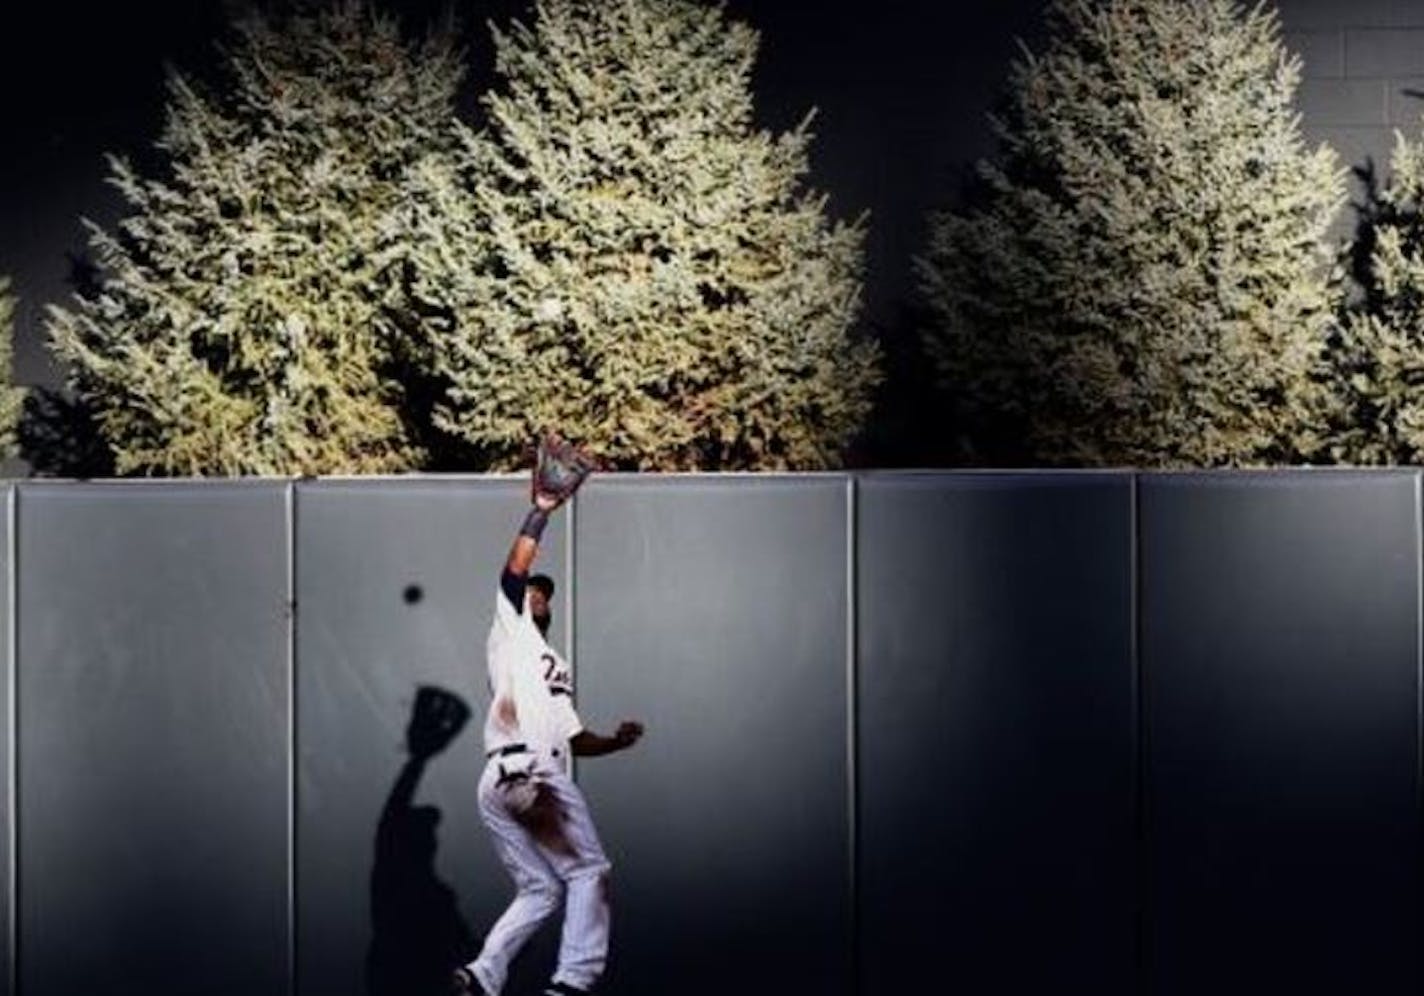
(585, 869)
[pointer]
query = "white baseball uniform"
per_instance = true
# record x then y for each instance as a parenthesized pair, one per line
(531, 718)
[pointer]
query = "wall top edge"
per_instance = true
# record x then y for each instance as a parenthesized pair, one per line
(625, 476)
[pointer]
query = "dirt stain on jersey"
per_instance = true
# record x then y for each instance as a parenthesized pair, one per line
(507, 713)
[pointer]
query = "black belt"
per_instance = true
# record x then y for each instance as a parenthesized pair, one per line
(506, 751)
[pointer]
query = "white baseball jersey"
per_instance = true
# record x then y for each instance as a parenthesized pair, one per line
(531, 703)
(531, 685)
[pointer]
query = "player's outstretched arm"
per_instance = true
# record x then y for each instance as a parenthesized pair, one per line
(586, 743)
(526, 543)
(559, 470)
(523, 550)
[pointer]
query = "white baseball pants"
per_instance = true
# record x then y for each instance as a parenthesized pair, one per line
(575, 869)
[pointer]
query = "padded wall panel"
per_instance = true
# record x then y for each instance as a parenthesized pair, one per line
(714, 610)
(996, 733)
(1280, 648)
(396, 583)
(153, 739)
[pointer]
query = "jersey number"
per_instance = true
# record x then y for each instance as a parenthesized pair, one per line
(558, 681)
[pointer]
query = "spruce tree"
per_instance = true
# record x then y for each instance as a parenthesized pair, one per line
(11, 398)
(1379, 353)
(632, 262)
(237, 325)
(1141, 278)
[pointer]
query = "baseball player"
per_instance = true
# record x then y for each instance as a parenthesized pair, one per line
(536, 815)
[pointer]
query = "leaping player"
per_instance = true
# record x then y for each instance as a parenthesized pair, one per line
(536, 815)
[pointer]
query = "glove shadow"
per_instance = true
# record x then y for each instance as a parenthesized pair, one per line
(418, 935)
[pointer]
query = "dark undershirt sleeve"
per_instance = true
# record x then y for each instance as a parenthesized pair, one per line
(513, 586)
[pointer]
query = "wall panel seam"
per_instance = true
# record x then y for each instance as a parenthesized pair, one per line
(1141, 852)
(570, 583)
(852, 731)
(1418, 713)
(13, 714)
(290, 615)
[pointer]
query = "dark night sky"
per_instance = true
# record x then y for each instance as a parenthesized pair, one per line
(901, 90)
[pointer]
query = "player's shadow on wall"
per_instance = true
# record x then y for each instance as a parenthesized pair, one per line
(417, 933)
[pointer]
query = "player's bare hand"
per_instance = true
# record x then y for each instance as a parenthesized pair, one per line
(628, 733)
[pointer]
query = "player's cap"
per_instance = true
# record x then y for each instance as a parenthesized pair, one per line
(543, 582)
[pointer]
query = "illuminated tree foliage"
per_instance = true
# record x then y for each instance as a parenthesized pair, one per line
(632, 262)
(1142, 279)
(11, 398)
(1379, 355)
(236, 323)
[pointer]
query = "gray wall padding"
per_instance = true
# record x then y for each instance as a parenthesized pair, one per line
(714, 610)
(396, 585)
(153, 748)
(996, 733)
(1280, 644)
(979, 732)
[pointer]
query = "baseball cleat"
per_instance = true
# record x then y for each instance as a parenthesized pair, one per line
(564, 989)
(465, 984)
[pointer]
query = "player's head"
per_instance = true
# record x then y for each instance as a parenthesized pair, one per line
(541, 593)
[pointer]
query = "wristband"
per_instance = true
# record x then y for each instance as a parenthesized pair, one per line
(534, 524)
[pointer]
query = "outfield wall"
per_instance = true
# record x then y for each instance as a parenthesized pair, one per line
(986, 732)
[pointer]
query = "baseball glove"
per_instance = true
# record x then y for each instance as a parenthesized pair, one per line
(559, 469)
